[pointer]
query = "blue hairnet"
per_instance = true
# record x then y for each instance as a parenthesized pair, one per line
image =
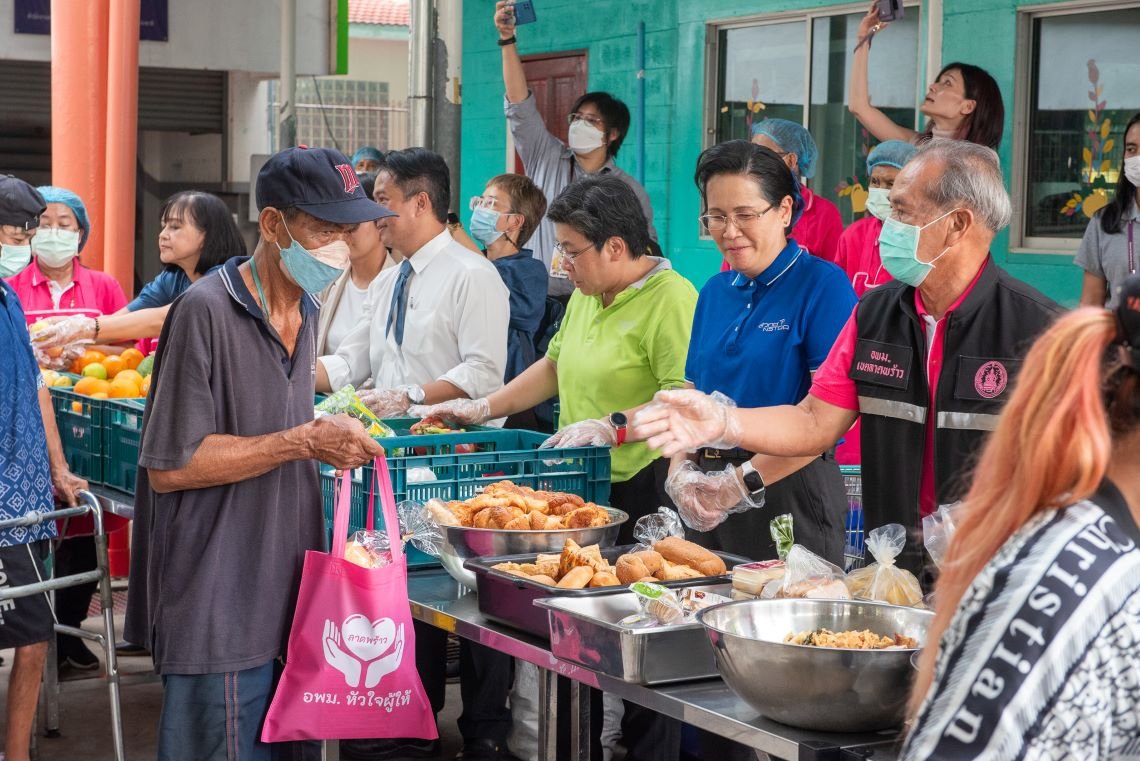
(890, 153)
(792, 138)
(64, 196)
(368, 152)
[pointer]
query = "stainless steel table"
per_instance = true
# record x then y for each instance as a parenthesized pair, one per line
(437, 599)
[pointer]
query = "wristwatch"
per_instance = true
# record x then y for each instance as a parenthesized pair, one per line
(753, 481)
(415, 394)
(619, 421)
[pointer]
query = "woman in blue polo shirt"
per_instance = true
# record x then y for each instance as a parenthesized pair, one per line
(760, 330)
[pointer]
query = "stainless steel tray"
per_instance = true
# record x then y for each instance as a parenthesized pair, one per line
(464, 542)
(585, 630)
(509, 599)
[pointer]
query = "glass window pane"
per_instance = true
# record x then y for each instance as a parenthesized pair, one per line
(1085, 74)
(760, 65)
(843, 143)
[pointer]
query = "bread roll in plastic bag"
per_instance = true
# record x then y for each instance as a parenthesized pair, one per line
(883, 580)
(808, 575)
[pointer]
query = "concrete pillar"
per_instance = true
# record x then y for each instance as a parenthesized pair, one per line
(122, 141)
(79, 109)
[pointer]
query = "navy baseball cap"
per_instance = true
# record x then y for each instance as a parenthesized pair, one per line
(318, 181)
(20, 204)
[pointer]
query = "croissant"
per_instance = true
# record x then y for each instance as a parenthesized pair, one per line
(496, 517)
(676, 572)
(522, 497)
(574, 556)
(520, 523)
(604, 579)
(560, 503)
(464, 512)
(586, 517)
(441, 515)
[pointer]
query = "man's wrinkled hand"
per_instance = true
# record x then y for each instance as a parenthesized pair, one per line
(341, 441)
(67, 485)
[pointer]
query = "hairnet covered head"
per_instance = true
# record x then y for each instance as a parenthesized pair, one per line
(69, 199)
(890, 153)
(369, 152)
(792, 138)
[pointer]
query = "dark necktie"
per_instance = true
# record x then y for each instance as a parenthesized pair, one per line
(399, 305)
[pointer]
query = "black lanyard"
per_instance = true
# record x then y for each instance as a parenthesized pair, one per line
(1131, 250)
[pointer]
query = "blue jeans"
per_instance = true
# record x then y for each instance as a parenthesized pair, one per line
(218, 717)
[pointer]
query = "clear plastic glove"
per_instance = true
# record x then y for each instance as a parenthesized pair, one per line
(62, 331)
(705, 500)
(59, 359)
(686, 420)
(455, 412)
(587, 433)
(387, 402)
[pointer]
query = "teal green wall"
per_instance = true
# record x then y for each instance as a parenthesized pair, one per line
(976, 31)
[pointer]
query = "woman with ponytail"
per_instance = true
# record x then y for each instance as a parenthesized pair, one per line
(1035, 648)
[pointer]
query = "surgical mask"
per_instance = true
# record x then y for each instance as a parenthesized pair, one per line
(483, 226)
(1132, 170)
(879, 203)
(311, 269)
(584, 138)
(898, 250)
(55, 246)
(13, 259)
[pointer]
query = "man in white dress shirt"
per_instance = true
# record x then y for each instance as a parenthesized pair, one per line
(435, 327)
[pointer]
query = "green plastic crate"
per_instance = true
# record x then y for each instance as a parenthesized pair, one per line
(122, 431)
(511, 455)
(80, 422)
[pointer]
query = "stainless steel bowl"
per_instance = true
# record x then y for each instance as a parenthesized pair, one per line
(819, 688)
(462, 543)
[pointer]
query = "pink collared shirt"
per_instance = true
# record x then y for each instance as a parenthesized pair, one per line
(91, 293)
(858, 255)
(832, 384)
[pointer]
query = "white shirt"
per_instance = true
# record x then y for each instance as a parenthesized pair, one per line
(349, 313)
(455, 327)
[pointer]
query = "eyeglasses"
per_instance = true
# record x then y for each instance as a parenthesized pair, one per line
(479, 202)
(716, 223)
(570, 256)
(594, 121)
(18, 234)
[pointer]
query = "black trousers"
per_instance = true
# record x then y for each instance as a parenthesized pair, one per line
(646, 734)
(817, 499)
(431, 662)
(76, 555)
(485, 679)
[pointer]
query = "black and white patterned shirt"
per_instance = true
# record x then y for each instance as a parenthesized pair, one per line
(1042, 658)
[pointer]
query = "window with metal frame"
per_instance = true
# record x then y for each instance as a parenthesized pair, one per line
(1082, 70)
(796, 67)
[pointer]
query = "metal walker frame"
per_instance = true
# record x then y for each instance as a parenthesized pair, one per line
(89, 504)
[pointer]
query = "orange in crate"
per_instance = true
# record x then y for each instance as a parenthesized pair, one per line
(131, 358)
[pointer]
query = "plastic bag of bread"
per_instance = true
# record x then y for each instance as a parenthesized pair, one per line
(937, 531)
(883, 580)
(651, 529)
(808, 575)
(369, 549)
(658, 603)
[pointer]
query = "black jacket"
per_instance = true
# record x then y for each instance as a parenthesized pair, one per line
(985, 339)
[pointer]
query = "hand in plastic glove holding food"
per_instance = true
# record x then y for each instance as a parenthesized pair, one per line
(457, 412)
(387, 402)
(683, 421)
(53, 332)
(705, 500)
(585, 433)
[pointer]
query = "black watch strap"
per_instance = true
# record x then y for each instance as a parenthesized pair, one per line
(508, 41)
(753, 481)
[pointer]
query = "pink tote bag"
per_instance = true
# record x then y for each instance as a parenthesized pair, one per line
(351, 668)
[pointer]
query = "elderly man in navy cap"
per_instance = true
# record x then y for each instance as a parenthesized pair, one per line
(31, 464)
(228, 499)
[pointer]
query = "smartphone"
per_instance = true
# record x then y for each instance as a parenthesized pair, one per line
(524, 12)
(890, 10)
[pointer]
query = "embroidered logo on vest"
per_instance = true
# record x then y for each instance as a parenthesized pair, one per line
(991, 379)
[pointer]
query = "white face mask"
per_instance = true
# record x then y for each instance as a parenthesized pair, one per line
(879, 203)
(583, 138)
(1132, 170)
(13, 259)
(55, 246)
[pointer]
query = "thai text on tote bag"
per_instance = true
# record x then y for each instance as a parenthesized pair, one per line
(351, 667)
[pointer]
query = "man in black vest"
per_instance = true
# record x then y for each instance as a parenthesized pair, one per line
(927, 360)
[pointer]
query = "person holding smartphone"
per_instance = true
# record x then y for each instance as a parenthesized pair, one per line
(598, 125)
(963, 102)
